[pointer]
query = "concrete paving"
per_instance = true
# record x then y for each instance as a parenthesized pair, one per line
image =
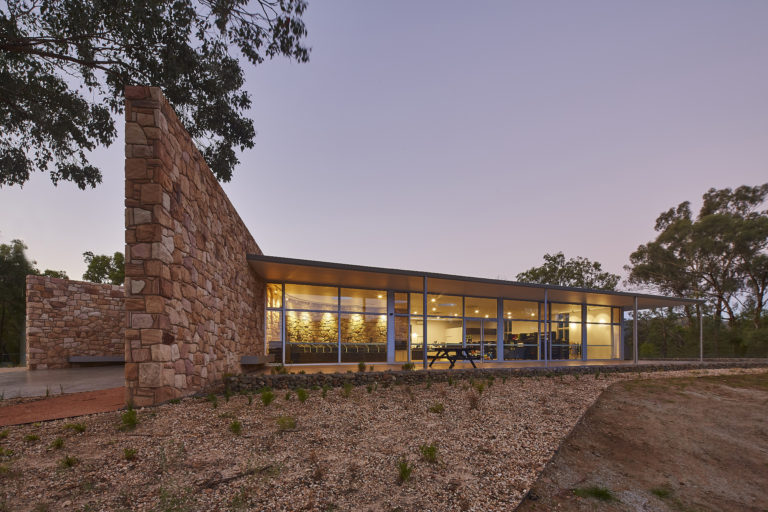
(20, 382)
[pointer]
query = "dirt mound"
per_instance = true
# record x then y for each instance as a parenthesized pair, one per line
(684, 444)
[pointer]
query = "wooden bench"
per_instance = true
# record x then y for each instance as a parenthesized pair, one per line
(96, 359)
(257, 360)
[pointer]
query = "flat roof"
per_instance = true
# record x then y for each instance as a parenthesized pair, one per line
(291, 270)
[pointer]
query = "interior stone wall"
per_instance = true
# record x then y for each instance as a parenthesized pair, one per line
(193, 304)
(72, 318)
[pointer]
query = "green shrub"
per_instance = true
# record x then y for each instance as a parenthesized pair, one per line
(288, 396)
(326, 388)
(347, 389)
(4, 433)
(213, 399)
(267, 396)
(450, 380)
(302, 394)
(404, 471)
(407, 367)
(174, 401)
(480, 387)
(437, 408)
(236, 427)
(286, 423)
(429, 452)
(369, 388)
(76, 427)
(361, 367)
(662, 492)
(429, 383)
(279, 370)
(598, 493)
(129, 453)
(5, 452)
(647, 350)
(129, 419)
(57, 443)
(250, 399)
(68, 461)
(31, 438)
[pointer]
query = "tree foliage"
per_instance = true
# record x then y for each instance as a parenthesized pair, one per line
(104, 269)
(577, 272)
(64, 66)
(14, 268)
(721, 255)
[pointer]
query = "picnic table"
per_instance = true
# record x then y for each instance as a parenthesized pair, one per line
(453, 354)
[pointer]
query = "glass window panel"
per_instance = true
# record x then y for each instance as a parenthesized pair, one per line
(480, 308)
(444, 331)
(599, 314)
(599, 334)
(401, 303)
(275, 335)
(274, 295)
(521, 310)
(364, 301)
(616, 350)
(363, 338)
(311, 337)
(417, 339)
(417, 301)
(521, 340)
(323, 298)
(443, 305)
(617, 315)
(598, 352)
(565, 312)
(402, 340)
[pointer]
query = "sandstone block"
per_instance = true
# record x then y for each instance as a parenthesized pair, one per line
(161, 353)
(150, 375)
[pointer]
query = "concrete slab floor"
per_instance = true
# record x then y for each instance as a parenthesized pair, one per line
(20, 382)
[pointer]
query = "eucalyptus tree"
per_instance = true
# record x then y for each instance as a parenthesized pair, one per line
(577, 272)
(64, 66)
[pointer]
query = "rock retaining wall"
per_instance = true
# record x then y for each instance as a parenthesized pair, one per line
(72, 318)
(194, 306)
(254, 382)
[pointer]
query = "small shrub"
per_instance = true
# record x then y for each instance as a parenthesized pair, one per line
(279, 370)
(76, 427)
(286, 423)
(429, 383)
(68, 461)
(407, 367)
(31, 438)
(267, 396)
(404, 471)
(129, 419)
(661, 492)
(437, 408)
(369, 388)
(315, 387)
(347, 389)
(227, 394)
(288, 396)
(474, 400)
(302, 394)
(302, 372)
(480, 387)
(429, 452)
(174, 401)
(326, 387)
(4, 433)
(129, 453)
(213, 399)
(450, 380)
(491, 379)
(57, 443)
(236, 427)
(361, 367)
(250, 399)
(597, 374)
(598, 493)
(6, 452)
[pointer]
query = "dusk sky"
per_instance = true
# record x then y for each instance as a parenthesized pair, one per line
(469, 138)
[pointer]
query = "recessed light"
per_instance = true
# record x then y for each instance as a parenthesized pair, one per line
(434, 309)
(380, 296)
(477, 311)
(433, 300)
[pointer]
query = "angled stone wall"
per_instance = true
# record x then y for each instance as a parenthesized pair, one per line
(193, 304)
(72, 318)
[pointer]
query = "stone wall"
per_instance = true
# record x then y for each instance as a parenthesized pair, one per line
(194, 306)
(72, 318)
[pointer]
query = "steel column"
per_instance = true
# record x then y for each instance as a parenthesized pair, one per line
(424, 341)
(634, 332)
(701, 333)
(546, 326)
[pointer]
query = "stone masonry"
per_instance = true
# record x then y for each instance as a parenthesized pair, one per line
(67, 318)
(193, 304)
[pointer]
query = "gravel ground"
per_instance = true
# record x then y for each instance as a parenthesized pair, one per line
(343, 453)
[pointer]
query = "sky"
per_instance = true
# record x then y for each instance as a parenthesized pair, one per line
(468, 139)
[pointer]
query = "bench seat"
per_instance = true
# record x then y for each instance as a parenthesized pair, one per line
(96, 359)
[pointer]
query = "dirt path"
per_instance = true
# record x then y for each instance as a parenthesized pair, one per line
(687, 444)
(64, 406)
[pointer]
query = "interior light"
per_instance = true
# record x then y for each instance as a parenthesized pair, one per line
(415, 313)
(477, 311)
(434, 309)
(433, 300)
(486, 316)
(380, 295)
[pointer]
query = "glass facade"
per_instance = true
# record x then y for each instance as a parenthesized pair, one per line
(307, 324)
